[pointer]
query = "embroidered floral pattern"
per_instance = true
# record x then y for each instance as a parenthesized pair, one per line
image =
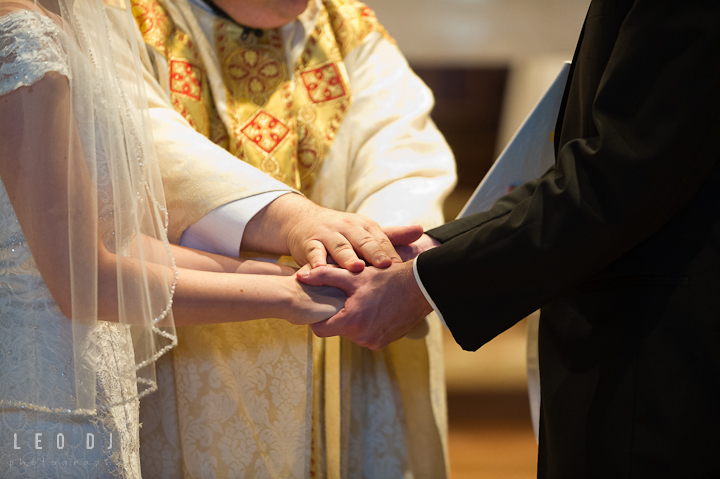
(255, 72)
(24, 59)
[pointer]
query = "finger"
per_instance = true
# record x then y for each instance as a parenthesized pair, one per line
(343, 253)
(385, 244)
(328, 328)
(339, 325)
(370, 248)
(312, 276)
(304, 270)
(329, 276)
(319, 328)
(403, 235)
(315, 254)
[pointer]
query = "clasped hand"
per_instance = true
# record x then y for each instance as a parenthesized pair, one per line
(382, 305)
(383, 301)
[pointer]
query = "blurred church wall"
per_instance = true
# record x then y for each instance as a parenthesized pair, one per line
(481, 32)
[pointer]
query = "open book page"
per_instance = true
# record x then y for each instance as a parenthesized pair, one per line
(529, 153)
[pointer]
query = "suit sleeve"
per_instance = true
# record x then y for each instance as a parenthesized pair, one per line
(657, 116)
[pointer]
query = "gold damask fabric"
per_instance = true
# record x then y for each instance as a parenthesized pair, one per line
(246, 388)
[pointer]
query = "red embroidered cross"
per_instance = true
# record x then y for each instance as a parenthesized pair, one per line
(265, 131)
(324, 83)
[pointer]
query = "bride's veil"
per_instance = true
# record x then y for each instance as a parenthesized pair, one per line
(114, 201)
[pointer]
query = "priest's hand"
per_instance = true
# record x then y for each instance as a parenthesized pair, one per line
(295, 225)
(382, 305)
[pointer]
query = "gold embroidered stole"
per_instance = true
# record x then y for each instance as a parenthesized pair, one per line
(190, 92)
(281, 125)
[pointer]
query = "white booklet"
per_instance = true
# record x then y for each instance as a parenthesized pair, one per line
(529, 153)
(527, 156)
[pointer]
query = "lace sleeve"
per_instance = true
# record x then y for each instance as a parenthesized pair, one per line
(29, 48)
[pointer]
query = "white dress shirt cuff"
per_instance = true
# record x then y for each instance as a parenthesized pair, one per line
(425, 293)
(221, 230)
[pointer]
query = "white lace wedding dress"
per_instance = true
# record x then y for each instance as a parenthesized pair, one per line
(37, 439)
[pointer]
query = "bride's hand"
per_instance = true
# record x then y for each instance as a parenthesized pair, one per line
(250, 266)
(315, 303)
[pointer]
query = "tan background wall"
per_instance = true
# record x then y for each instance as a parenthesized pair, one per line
(481, 32)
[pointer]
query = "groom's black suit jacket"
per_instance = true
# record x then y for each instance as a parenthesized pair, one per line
(619, 244)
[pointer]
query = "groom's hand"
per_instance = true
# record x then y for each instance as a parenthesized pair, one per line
(408, 251)
(382, 305)
(295, 225)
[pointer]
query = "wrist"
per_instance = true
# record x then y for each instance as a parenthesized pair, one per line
(427, 242)
(287, 212)
(414, 292)
(288, 296)
(268, 230)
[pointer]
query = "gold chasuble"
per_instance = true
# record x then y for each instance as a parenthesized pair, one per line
(281, 126)
(248, 404)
